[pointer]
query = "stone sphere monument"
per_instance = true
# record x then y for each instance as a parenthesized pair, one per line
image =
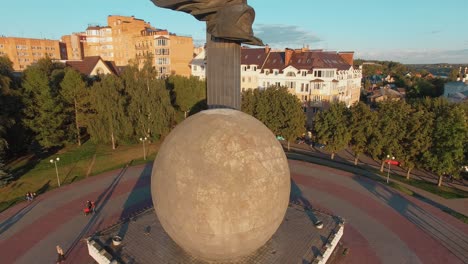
(220, 184)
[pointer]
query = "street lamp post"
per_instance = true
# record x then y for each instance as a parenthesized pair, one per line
(388, 172)
(144, 149)
(56, 169)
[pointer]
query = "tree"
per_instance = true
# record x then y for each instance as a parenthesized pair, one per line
(362, 122)
(149, 106)
(74, 92)
(279, 110)
(389, 130)
(249, 101)
(449, 135)
(417, 138)
(44, 112)
(332, 127)
(110, 121)
(187, 92)
(421, 88)
(13, 136)
(453, 75)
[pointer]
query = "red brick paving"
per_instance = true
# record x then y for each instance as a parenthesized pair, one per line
(359, 250)
(19, 243)
(423, 245)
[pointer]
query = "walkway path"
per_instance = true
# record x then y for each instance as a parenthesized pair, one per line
(383, 225)
(457, 205)
(346, 156)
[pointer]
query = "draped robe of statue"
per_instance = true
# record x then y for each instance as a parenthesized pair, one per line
(226, 19)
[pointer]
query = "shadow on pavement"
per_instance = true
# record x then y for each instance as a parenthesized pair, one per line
(101, 201)
(138, 198)
(452, 238)
(16, 217)
(296, 197)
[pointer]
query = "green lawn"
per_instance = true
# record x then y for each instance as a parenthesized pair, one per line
(38, 175)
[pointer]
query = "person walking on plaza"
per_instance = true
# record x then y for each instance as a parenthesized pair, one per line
(60, 255)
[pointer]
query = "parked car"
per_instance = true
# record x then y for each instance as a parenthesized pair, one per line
(318, 145)
(279, 138)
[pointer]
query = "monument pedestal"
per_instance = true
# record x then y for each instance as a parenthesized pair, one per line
(223, 73)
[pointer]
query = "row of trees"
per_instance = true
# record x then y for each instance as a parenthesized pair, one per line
(51, 105)
(427, 133)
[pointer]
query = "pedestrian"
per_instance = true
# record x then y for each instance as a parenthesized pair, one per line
(28, 196)
(60, 255)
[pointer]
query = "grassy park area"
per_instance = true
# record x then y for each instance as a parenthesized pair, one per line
(34, 173)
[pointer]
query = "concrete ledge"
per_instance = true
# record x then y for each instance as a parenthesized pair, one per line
(98, 253)
(329, 246)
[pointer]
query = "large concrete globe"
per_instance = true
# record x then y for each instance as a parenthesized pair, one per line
(220, 184)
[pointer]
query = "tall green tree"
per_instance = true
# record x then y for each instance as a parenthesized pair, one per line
(248, 102)
(187, 92)
(332, 128)
(149, 107)
(13, 135)
(362, 123)
(75, 94)
(417, 139)
(110, 122)
(389, 131)
(279, 110)
(449, 135)
(44, 111)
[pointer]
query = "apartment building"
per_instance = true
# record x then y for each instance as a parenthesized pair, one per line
(74, 46)
(25, 51)
(316, 77)
(125, 39)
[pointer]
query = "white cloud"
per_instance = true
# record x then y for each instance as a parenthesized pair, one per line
(282, 36)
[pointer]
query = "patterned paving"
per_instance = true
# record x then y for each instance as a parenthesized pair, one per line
(382, 225)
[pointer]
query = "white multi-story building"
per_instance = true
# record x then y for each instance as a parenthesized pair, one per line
(316, 77)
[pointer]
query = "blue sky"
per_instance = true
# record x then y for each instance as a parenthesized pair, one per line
(410, 31)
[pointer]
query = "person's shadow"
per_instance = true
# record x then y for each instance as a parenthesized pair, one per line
(296, 197)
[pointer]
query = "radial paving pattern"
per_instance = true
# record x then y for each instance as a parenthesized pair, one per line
(383, 225)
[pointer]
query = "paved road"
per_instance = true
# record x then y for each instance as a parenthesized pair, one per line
(347, 156)
(383, 226)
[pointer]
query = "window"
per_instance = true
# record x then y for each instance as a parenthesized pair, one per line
(267, 72)
(162, 51)
(162, 70)
(317, 86)
(291, 84)
(278, 84)
(317, 73)
(302, 87)
(162, 61)
(275, 72)
(304, 73)
(307, 87)
(291, 74)
(243, 79)
(195, 68)
(162, 42)
(316, 98)
(254, 68)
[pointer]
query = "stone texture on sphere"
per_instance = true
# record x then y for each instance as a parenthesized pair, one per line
(220, 184)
